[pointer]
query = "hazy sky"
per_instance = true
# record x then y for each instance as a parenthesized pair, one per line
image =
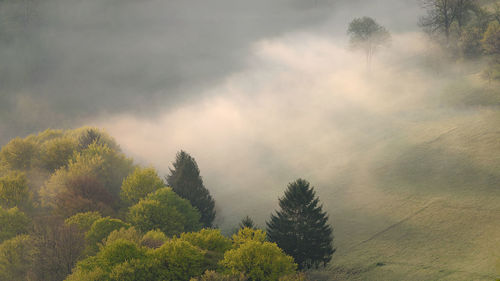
(259, 92)
(66, 61)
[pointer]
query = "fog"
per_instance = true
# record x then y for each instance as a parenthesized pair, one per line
(305, 106)
(64, 62)
(259, 92)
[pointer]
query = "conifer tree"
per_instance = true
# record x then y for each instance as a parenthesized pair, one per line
(301, 228)
(246, 222)
(186, 181)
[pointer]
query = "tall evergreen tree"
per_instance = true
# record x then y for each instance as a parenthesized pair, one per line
(301, 228)
(186, 181)
(246, 222)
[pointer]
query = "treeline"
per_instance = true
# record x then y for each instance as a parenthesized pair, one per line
(466, 29)
(74, 207)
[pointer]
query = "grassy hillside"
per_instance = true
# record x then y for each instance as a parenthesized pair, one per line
(425, 203)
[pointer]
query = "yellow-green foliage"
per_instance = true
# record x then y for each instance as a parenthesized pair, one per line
(91, 181)
(16, 256)
(12, 222)
(154, 239)
(83, 220)
(139, 184)
(208, 239)
(491, 38)
(19, 154)
(129, 234)
(166, 211)
(211, 275)
(57, 152)
(259, 261)
(14, 191)
(99, 230)
(111, 165)
(248, 234)
(123, 260)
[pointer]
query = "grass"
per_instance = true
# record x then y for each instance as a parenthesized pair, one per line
(426, 205)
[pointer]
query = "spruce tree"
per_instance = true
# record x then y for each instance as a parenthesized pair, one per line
(185, 180)
(246, 222)
(301, 228)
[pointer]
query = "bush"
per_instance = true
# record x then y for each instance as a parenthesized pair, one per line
(99, 230)
(248, 234)
(211, 275)
(14, 191)
(83, 220)
(140, 183)
(166, 211)
(128, 234)
(13, 222)
(16, 256)
(208, 239)
(259, 261)
(179, 260)
(154, 239)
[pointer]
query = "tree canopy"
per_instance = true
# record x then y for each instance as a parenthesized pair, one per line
(140, 183)
(367, 35)
(166, 211)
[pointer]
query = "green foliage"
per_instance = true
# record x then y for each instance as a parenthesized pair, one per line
(183, 260)
(101, 266)
(248, 234)
(123, 260)
(259, 261)
(211, 275)
(14, 191)
(166, 211)
(366, 34)
(470, 42)
(13, 222)
(83, 220)
(16, 256)
(154, 239)
(19, 154)
(186, 181)
(301, 228)
(491, 39)
(129, 234)
(88, 135)
(139, 184)
(208, 239)
(112, 165)
(57, 152)
(90, 182)
(99, 230)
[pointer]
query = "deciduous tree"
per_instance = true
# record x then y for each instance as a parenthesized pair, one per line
(366, 34)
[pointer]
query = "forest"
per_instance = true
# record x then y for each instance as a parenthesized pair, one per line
(360, 144)
(74, 207)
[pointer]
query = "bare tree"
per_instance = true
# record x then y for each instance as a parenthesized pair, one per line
(442, 14)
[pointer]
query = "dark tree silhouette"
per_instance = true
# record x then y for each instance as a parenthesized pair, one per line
(186, 181)
(246, 222)
(301, 228)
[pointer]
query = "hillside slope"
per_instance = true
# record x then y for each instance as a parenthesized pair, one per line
(425, 204)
